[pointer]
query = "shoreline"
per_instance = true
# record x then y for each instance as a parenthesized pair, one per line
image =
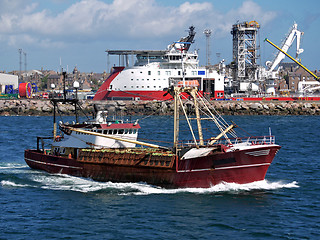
(43, 107)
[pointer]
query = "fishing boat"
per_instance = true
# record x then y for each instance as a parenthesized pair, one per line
(106, 149)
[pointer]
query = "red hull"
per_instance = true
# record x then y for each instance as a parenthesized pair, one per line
(133, 95)
(276, 99)
(242, 166)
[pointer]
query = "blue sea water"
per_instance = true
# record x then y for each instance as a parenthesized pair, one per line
(38, 205)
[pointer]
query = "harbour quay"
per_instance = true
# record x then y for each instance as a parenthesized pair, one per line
(43, 107)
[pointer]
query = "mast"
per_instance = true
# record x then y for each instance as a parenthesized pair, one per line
(192, 90)
(194, 95)
(64, 100)
(176, 119)
(54, 119)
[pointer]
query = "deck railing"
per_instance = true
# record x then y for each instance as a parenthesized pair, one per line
(253, 140)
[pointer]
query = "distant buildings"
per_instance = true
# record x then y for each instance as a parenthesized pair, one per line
(291, 78)
(45, 78)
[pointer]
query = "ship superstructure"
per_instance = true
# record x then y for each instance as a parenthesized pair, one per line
(156, 70)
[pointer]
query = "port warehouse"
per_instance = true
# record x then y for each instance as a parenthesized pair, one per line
(8, 81)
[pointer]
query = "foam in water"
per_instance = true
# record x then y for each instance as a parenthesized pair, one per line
(5, 183)
(69, 183)
(222, 187)
(11, 166)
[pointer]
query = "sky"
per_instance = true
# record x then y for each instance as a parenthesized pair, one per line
(78, 32)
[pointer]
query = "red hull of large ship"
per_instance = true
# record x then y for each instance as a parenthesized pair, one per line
(135, 95)
(238, 167)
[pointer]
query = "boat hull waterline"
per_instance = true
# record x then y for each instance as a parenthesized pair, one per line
(161, 169)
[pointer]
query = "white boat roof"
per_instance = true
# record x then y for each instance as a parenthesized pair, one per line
(137, 52)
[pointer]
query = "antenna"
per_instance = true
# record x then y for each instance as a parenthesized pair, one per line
(25, 61)
(20, 60)
(208, 32)
(218, 56)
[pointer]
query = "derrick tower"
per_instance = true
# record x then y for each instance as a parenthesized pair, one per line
(245, 53)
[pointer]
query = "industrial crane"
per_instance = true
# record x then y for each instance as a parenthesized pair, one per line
(271, 73)
(302, 66)
(293, 34)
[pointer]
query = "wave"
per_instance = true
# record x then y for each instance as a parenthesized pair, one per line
(7, 183)
(12, 165)
(219, 188)
(69, 183)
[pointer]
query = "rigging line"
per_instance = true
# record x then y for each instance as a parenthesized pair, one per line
(152, 140)
(248, 134)
(158, 110)
(79, 105)
(216, 112)
(191, 130)
(219, 118)
(217, 121)
(59, 112)
(212, 115)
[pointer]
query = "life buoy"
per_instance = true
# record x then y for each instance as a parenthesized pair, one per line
(58, 138)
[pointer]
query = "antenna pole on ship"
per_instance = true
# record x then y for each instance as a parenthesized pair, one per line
(176, 120)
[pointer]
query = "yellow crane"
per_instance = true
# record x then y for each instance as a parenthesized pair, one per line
(297, 62)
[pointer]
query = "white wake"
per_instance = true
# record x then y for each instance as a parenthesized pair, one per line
(69, 183)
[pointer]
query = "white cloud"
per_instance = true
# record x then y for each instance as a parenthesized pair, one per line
(188, 8)
(121, 19)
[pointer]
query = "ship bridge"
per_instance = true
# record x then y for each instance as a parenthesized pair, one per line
(145, 56)
(171, 59)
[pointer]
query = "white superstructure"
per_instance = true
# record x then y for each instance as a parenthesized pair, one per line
(156, 70)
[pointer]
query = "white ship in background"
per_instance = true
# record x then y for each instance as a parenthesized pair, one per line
(156, 70)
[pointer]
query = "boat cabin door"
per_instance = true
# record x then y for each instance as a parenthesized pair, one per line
(208, 87)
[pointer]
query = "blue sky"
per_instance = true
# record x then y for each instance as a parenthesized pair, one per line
(79, 31)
